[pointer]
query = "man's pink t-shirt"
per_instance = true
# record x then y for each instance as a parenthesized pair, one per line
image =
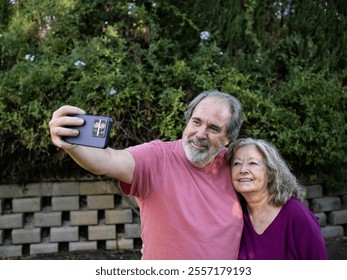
(186, 212)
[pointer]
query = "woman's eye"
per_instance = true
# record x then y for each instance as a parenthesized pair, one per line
(236, 163)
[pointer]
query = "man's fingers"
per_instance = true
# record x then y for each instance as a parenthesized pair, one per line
(62, 131)
(63, 123)
(67, 110)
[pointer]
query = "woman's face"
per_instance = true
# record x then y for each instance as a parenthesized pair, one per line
(248, 171)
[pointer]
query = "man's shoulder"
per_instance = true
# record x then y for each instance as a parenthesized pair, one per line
(155, 143)
(157, 146)
(167, 145)
(161, 142)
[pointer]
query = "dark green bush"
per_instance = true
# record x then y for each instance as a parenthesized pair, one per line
(142, 62)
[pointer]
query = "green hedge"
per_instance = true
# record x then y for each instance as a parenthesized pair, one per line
(141, 62)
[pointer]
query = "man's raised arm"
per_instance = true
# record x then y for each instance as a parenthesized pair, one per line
(117, 164)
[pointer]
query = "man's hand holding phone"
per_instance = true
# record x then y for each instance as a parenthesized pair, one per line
(70, 126)
(95, 131)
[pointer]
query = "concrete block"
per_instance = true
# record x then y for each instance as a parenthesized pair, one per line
(101, 232)
(98, 187)
(120, 244)
(11, 251)
(338, 217)
(20, 205)
(111, 245)
(123, 216)
(326, 204)
(125, 244)
(24, 236)
(1, 206)
(337, 192)
(29, 190)
(344, 202)
(11, 221)
(44, 248)
(83, 246)
(65, 189)
(46, 189)
(11, 191)
(314, 191)
(100, 201)
(64, 234)
(332, 231)
(32, 190)
(1, 236)
(65, 203)
(49, 219)
(129, 202)
(78, 218)
(132, 231)
(322, 218)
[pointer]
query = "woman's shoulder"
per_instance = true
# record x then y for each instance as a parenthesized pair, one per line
(299, 210)
(294, 204)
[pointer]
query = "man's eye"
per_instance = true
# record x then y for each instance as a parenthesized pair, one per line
(215, 129)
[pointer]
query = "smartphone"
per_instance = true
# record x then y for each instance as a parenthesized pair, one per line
(95, 132)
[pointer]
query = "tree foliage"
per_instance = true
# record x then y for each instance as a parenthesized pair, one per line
(142, 61)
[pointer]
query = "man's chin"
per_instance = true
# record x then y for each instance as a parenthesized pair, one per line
(198, 158)
(194, 155)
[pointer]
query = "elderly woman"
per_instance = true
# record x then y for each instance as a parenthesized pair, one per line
(277, 224)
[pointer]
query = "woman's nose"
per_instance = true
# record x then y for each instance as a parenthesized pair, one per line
(244, 169)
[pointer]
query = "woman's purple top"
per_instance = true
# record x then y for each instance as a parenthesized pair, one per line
(293, 235)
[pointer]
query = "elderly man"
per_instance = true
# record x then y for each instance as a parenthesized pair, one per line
(189, 208)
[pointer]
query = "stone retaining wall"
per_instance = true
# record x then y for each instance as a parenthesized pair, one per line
(66, 216)
(330, 209)
(69, 216)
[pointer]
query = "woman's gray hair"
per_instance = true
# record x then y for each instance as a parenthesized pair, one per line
(282, 183)
(234, 125)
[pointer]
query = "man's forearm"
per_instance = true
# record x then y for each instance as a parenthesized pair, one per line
(117, 164)
(91, 159)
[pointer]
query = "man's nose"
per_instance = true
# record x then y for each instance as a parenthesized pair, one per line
(201, 132)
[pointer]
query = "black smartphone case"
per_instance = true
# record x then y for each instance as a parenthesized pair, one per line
(95, 132)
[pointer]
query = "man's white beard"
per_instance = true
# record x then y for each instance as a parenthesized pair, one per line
(198, 157)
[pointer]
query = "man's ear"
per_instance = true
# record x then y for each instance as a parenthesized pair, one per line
(227, 141)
